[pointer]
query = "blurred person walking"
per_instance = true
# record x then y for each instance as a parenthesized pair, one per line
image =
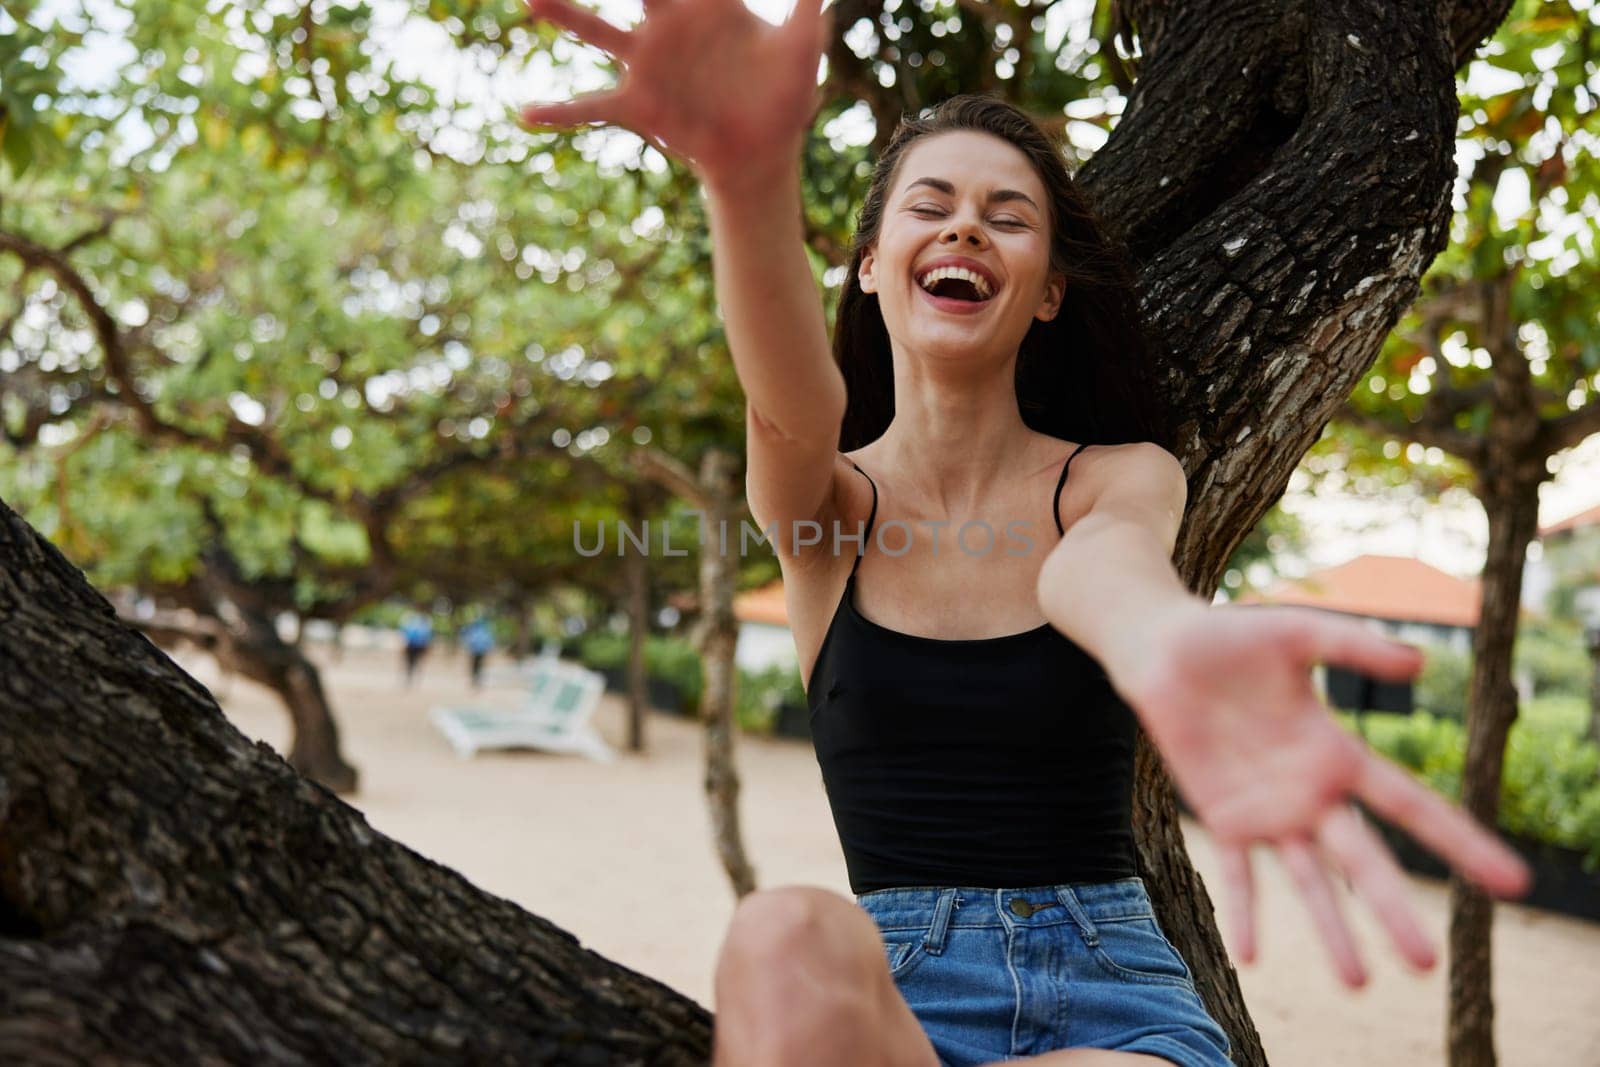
(479, 641)
(417, 629)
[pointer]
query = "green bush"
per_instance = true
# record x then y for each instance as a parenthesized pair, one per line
(671, 659)
(603, 651)
(1553, 653)
(1566, 713)
(761, 693)
(1443, 684)
(1550, 786)
(675, 660)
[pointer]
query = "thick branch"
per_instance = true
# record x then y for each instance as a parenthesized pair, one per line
(1468, 447)
(171, 893)
(1570, 429)
(170, 628)
(669, 472)
(1293, 242)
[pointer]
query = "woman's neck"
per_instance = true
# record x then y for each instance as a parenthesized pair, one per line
(953, 451)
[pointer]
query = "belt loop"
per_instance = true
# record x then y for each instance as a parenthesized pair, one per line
(941, 921)
(1091, 936)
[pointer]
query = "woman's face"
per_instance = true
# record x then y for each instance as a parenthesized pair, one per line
(975, 197)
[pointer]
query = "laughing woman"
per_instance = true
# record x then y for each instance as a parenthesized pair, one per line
(975, 700)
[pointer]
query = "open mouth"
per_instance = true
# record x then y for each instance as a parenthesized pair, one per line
(955, 288)
(955, 296)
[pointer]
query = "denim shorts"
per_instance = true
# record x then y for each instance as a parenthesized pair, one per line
(995, 974)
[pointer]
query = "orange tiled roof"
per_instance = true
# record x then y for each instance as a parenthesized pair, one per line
(1591, 517)
(1383, 587)
(764, 604)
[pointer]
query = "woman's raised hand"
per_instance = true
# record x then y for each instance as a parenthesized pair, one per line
(1226, 696)
(706, 80)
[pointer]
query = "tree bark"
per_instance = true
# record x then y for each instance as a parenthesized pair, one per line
(171, 893)
(715, 491)
(248, 644)
(638, 578)
(1282, 175)
(1592, 638)
(1511, 498)
(716, 635)
(1508, 486)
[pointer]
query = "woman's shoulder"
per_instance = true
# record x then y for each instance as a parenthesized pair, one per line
(1097, 465)
(1057, 450)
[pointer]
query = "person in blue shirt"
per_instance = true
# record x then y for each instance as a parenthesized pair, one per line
(418, 632)
(479, 640)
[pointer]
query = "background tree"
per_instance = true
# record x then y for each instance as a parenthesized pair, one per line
(266, 310)
(1499, 366)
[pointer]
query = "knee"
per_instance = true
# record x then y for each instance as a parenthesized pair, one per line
(775, 929)
(794, 980)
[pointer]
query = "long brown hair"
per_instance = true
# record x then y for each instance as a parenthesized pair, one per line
(1086, 375)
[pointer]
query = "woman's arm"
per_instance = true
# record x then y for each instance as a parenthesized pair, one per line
(795, 394)
(1110, 580)
(1225, 694)
(733, 96)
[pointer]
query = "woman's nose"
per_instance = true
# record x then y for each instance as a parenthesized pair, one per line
(959, 228)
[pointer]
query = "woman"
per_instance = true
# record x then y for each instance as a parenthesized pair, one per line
(978, 760)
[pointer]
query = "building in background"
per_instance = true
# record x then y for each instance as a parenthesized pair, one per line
(764, 637)
(1403, 597)
(1567, 566)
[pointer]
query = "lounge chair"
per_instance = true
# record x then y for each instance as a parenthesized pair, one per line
(554, 718)
(534, 671)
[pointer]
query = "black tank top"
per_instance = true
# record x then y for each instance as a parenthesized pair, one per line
(998, 762)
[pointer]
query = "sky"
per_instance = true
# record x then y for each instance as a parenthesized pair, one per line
(1451, 536)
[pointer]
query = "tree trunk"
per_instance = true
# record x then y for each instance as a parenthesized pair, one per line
(1282, 176)
(249, 644)
(1592, 638)
(1492, 709)
(1508, 486)
(716, 635)
(171, 893)
(522, 642)
(251, 647)
(638, 578)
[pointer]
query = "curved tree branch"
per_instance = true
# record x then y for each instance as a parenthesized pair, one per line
(259, 919)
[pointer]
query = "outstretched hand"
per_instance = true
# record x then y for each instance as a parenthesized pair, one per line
(706, 80)
(1226, 696)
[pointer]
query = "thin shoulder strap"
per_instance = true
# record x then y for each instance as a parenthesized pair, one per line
(1056, 507)
(873, 514)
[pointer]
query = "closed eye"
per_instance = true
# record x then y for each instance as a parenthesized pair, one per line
(935, 212)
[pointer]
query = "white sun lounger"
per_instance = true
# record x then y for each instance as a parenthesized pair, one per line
(553, 717)
(531, 671)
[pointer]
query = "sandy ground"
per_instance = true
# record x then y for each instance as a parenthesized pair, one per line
(621, 855)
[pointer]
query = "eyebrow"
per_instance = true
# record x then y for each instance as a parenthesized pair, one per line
(995, 196)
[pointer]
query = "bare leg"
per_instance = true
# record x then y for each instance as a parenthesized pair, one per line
(802, 979)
